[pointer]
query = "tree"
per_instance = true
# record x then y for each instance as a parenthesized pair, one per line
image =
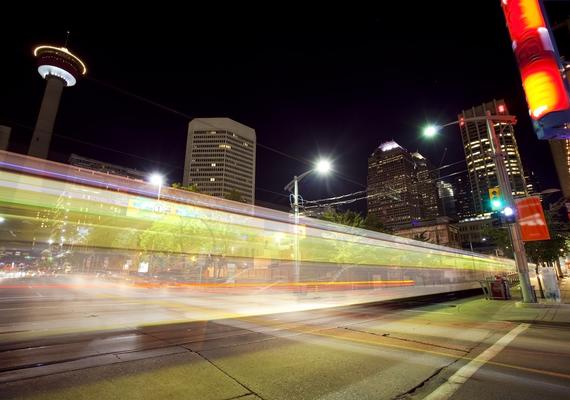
(234, 195)
(373, 223)
(354, 219)
(190, 188)
(500, 238)
(546, 251)
(348, 218)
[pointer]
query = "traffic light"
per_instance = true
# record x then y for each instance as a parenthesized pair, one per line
(540, 68)
(495, 199)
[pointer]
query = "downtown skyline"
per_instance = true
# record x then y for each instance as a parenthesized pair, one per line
(324, 90)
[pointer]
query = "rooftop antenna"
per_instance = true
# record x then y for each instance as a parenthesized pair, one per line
(66, 38)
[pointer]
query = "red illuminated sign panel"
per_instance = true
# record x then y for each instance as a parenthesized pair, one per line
(538, 64)
(531, 219)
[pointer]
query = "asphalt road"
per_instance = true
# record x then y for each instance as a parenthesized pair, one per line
(73, 340)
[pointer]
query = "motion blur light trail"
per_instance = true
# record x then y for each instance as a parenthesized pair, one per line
(65, 221)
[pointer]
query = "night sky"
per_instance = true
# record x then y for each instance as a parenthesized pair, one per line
(320, 82)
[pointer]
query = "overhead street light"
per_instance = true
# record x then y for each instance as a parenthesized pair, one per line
(430, 131)
(321, 167)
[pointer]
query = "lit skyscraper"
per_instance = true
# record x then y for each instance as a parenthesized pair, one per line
(446, 196)
(426, 180)
(220, 157)
(480, 164)
(462, 194)
(401, 186)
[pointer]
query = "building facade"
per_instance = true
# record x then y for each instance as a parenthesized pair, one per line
(446, 194)
(106, 168)
(478, 154)
(561, 155)
(426, 180)
(533, 186)
(401, 188)
(220, 157)
(462, 194)
(474, 235)
(437, 231)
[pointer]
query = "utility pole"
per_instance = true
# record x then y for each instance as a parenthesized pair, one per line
(514, 229)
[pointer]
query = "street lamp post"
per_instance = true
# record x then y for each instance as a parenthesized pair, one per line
(157, 180)
(322, 167)
(505, 186)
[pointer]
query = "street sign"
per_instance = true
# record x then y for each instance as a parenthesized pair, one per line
(531, 219)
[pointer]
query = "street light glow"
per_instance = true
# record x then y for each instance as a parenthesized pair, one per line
(2, 219)
(430, 131)
(323, 166)
(156, 179)
(508, 211)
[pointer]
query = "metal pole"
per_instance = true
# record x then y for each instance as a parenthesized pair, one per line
(514, 229)
(159, 189)
(297, 271)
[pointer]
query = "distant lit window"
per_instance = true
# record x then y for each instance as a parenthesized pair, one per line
(212, 179)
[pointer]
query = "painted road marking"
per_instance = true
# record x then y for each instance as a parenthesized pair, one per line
(447, 390)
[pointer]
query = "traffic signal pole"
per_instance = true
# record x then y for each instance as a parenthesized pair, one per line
(514, 229)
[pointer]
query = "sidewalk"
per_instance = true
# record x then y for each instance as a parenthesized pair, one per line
(553, 312)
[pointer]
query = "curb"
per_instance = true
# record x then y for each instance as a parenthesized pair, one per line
(520, 304)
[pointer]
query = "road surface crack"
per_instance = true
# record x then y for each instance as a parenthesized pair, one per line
(422, 383)
(405, 340)
(250, 391)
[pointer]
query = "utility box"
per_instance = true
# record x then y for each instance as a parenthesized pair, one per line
(551, 289)
(497, 289)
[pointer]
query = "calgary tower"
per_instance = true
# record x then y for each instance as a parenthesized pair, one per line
(60, 68)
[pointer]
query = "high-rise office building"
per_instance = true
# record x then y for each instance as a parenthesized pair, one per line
(220, 157)
(426, 180)
(401, 189)
(446, 194)
(478, 154)
(462, 193)
(532, 183)
(561, 155)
